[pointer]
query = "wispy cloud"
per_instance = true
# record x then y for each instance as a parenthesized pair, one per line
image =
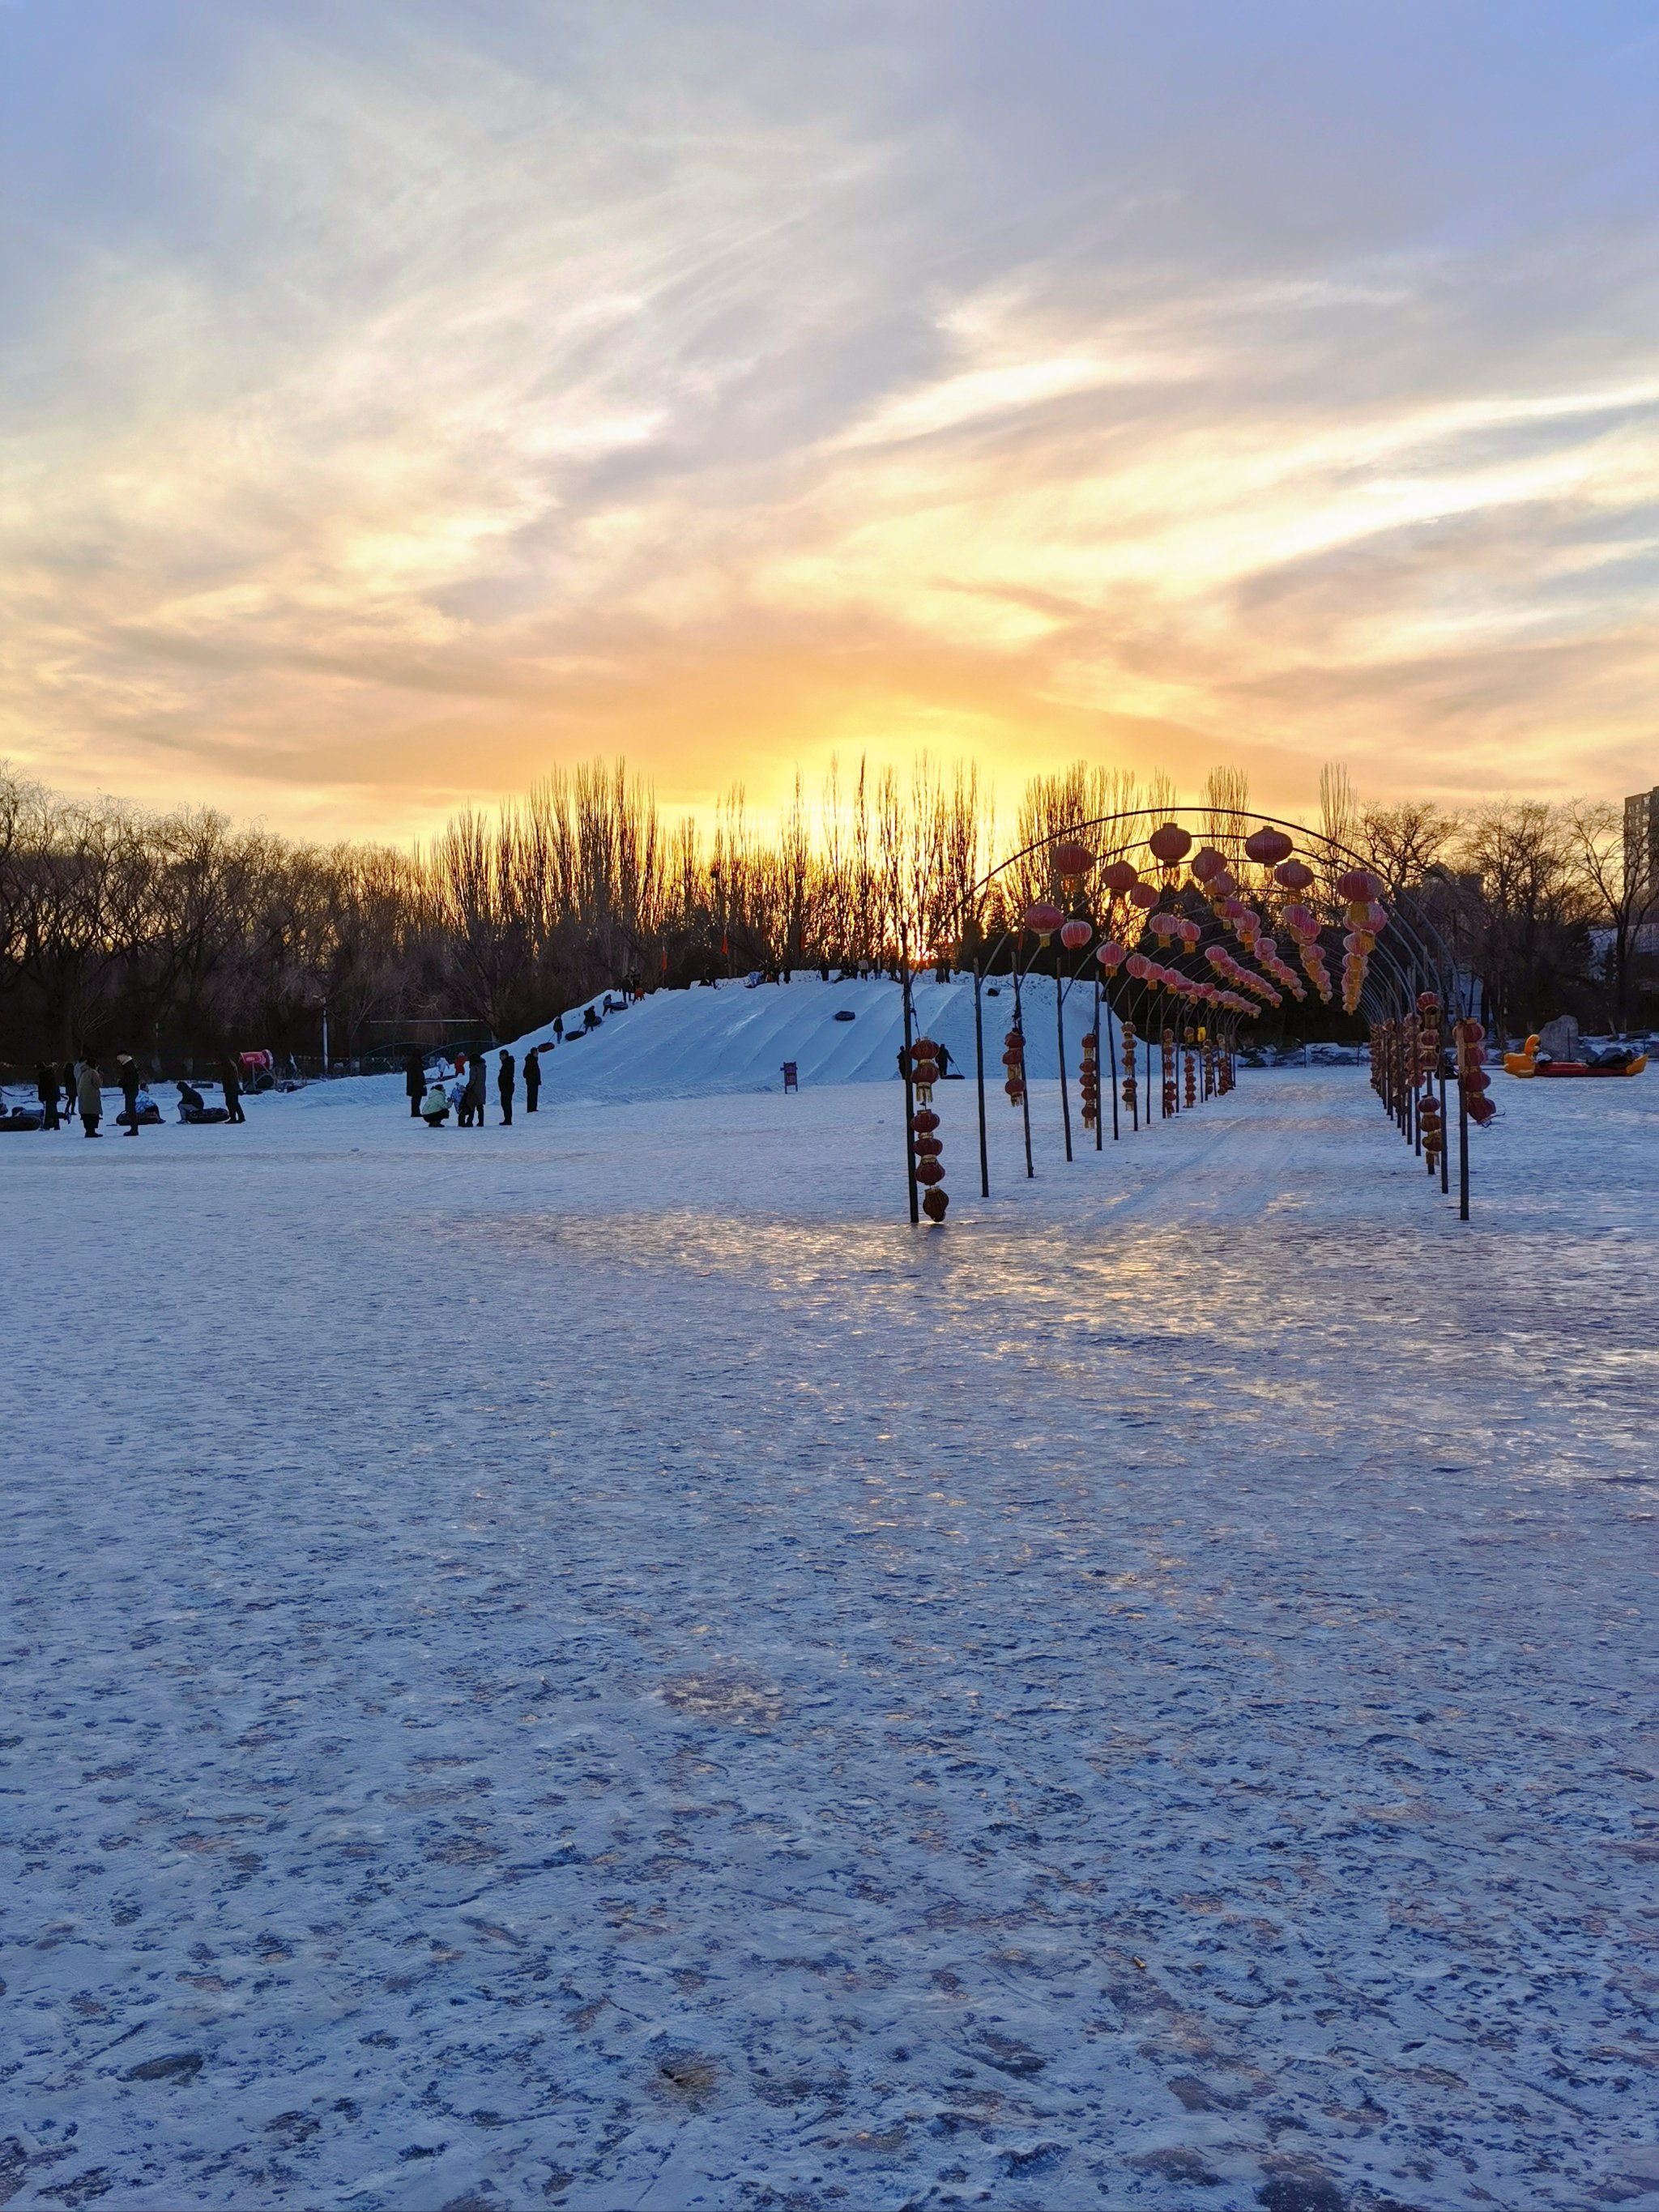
(462, 392)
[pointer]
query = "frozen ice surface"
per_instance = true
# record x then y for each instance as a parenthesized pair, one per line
(593, 1665)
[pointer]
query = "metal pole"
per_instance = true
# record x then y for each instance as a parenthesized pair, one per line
(1463, 1051)
(1060, 1047)
(1111, 1063)
(1445, 1155)
(910, 1098)
(979, 1061)
(1025, 1079)
(1148, 1072)
(1100, 1133)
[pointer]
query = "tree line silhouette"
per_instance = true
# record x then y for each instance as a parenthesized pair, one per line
(175, 934)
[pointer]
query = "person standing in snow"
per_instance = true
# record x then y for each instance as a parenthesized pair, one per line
(126, 1074)
(504, 1088)
(473, 1099)
(46, 1089)
(89, 1097)
(415, 1082)
(532, 1080)
(232, 1085)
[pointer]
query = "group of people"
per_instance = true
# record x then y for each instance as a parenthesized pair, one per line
(433, 1098)
(77, 1088)
(430, 1102)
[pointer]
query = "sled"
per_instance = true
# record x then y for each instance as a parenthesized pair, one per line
(1586, 1068)
(1527, 1063)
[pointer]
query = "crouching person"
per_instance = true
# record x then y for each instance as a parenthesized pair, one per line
(435, 1107)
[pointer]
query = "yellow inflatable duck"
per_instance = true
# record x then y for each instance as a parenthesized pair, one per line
(1524, 1062)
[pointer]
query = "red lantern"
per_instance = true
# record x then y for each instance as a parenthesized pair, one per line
(1074, 935)
(1013, 1058)
(1169, 844)
(1207, 864)
(1043, 918)
(1294, 875)
(1119, 877)
(929, 1171)
(934, 1203)
(1358, 884)
(1072, 859)
(1268, 847)
(1111, 956)
(1144, 896)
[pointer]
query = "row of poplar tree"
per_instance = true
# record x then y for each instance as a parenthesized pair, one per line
(175, 934)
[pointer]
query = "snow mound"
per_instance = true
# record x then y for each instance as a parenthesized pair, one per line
(732, 1037)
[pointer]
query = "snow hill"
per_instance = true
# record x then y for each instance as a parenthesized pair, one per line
(729, 1037)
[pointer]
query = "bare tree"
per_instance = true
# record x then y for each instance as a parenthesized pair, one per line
(1226, 797)
(1622, 896)
(1401, 843)
(1526, 924)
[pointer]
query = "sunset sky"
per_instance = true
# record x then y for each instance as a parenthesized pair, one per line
(398, 400)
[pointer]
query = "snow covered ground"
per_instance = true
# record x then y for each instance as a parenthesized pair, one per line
(593, 1665)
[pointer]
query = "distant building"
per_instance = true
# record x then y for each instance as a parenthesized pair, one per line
(1641, 840)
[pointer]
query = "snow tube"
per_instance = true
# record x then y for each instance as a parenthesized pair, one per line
(1574, 1067)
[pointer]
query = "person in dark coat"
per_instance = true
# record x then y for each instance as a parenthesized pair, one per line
(70, 1099)
(532, 1080)
(46, 1089)
(415, 1082)
(473, 1099)
(127, 1075)
(504, 1088)
(233, 1089)
(89, 1097)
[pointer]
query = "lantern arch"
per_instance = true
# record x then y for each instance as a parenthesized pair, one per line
(1173, 920)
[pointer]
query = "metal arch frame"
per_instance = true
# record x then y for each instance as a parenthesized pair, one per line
(1395, 973)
